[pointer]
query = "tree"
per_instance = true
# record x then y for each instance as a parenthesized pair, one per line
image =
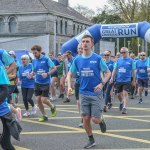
(85, 11)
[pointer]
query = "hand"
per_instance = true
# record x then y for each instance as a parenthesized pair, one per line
(111, 81)
(44, 75)
(69, 91)
(98, 88)
(29, 76)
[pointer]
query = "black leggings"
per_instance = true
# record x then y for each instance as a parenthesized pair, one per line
(27, 94)
(6, 137)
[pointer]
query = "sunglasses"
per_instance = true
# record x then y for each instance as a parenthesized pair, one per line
(123, 52)
(23, 59)
(106, 55)
(142, 55)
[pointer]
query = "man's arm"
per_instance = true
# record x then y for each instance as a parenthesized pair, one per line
(3, 93)
(11, 67)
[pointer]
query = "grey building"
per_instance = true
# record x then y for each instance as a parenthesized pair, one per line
(24, 23)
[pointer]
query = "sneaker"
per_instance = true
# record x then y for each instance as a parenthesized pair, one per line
(120, 106)
(124, 111)
(67, 100)
(103, 126)
(131, 97)
(26, 114)
(34, 110)
(105, 108)
(18, 115)
(61, 96)
(146, 93)
(91, 143)
(109, 105)
(43, 118)
(53, 98)
(140, 101)
(53, 111)
(80, 125)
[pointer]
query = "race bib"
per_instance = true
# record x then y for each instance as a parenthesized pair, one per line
(122, 70)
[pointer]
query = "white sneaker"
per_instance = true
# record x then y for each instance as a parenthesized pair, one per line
(53, 98)
(18, 115)
(26, 114)
(34, 110)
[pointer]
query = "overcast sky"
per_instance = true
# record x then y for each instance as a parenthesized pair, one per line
(92, 4)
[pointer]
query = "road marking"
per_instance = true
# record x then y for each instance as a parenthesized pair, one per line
(94, 131)
(51, 132)
(20, 148)
(135, 108)
(129, 130)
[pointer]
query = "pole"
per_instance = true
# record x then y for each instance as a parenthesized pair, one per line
(54, 35)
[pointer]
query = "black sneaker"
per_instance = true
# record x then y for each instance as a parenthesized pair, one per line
(109, 105)
(105, 108)
(131, 97)
(103, 126)
(124, 111)
(146, 93)
(67, 100)
(91, 143)
(61, 96)
(120, 106)
(140, 101)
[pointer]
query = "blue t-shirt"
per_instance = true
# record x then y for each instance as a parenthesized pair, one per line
(110, 65)
(89, 69)
(124, 68)
(69, 63)
(56, 63)
(141, 66)
(24, 71)
(4, 108)
(6, 58)
(42, 65)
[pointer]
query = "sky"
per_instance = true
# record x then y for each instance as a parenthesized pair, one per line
(92, 4)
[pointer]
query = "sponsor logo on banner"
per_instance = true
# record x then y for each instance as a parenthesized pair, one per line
(120, 30)
(79, 37)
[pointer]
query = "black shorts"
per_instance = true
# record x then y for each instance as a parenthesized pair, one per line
(143, 83)
(120, 86)
(77, 91)
(41, 90)
(54, 75)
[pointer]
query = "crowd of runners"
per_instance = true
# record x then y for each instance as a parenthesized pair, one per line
(93, 79)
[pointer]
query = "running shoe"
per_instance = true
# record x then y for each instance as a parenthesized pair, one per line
(26, 114)
(140, 101)
(34, 110)
(43, 118)
(120, 106)
(80, 125)
(67, 100)
(91, 143)
(105, 108)
(103, 126)
(124, 111)
(53, 111)
(61, 96)
(53, 98)
(109, 105)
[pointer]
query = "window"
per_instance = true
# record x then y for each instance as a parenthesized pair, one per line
(74, 29)
(66, 26)
(61, 27)
(56, 26)
(78, 29)
(12, 25)
(2, 25)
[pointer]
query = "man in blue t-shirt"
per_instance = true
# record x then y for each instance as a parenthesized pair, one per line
(124, 68)
(43, 67)
(90, 65)
(4, 108)
(108, 86)
(54, 76)
(142, 76)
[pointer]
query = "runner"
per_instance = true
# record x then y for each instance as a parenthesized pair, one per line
(90, 65)
(142, 76)
(108, 86)
(61, 76)
(5, 142)
(43, 67)
(27, 85)
(124, 68)
(54, 77)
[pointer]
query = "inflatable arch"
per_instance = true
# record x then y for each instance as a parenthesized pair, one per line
(98, 31)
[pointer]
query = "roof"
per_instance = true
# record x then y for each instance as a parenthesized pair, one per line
(39, 6)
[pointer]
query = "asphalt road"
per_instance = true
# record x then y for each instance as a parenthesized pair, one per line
(130, 131)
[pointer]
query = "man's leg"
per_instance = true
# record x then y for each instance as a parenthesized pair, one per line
(53, 93)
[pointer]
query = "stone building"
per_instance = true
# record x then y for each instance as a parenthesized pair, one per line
(24, 23)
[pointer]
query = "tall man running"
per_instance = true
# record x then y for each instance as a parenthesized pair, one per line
(125, 70)
(90, 65)
(43, 67)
